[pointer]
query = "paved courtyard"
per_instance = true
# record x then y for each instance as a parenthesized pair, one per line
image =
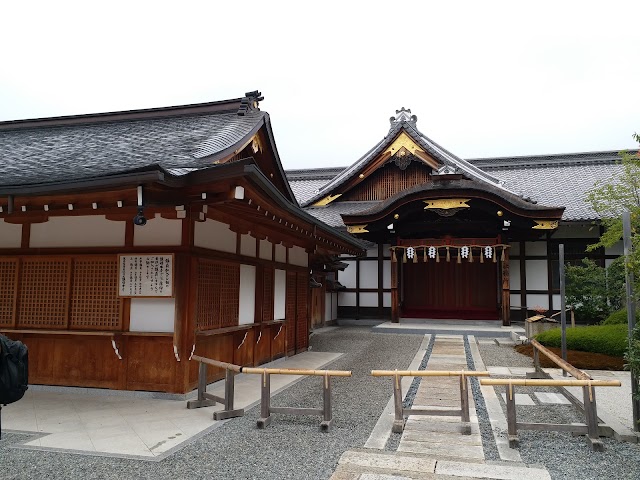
(87, 433)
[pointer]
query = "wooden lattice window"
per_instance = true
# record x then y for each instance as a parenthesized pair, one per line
(95, 304)
(44, 292)
(218, 296)
(8, 290)
(267, 295)
(388, 181)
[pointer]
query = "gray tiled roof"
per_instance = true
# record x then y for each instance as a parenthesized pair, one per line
(331, 213)
(305, 189)
(75, 152)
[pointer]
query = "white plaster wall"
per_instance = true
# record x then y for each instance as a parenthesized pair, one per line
(386, 274)
(537, 275)
(152, 314)
(77, 231)
(372, 252)
(281, 254)
(334, 306)
(266, 250)
(279, 294)
(347, 299)
(535, 248)
(515, 300)
(214, 235)
(347, 277)
(576, 231)
(158, 231)
(368, 299)
(368, 274)
(10, 234)
(537, 299)
(328, 307)
(608, 262)
(247, 294)
(556, 305)
(247, 245)
(515, 248)
(617, 249)
(514, 274)
(386, 299)
(298, 256)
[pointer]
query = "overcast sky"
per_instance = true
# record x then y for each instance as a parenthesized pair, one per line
(484, 78)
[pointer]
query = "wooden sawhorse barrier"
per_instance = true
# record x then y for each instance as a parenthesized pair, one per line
(208, 399)
(265, 398)
(590, 410)
(400, 411)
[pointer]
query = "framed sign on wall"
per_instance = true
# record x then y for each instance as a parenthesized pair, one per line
(145, 275)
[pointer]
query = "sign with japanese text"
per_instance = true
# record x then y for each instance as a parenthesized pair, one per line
(145, 275)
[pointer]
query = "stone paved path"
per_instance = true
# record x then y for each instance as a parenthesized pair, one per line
(435, 447)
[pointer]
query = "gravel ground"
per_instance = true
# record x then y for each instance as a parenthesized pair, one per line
(563, 455)
(291, 447)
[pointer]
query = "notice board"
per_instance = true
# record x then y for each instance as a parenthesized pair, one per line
(145, 275)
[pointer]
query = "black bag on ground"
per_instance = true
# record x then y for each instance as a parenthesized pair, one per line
(14, 370)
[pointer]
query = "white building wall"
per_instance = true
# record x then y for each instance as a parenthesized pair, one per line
(368, 299)
(347, 299)
(77, 231)
(158, 232)
(347, 277)
(279, 294)
(535, 248)
(214, 235)
(514, 274)
(537, 275)
(152, 314)
(576, 231)
(247, 310)
(298, 256)
(368, 274)
(266, 250)
(281, 254)
(537, 299)
(247, 245)
(328, 307)
(10, 235)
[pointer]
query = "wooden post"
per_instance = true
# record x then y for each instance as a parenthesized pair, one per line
(327, 422)
(202, 400)
(395, 300)
(506, 290)
(563, 310)
(398, 423)
(265, 401)
(464, 405)
(631, 312)
(512, 428)
(591, 414)
(229, 392)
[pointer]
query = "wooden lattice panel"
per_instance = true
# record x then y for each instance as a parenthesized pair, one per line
(44, 292)
(208, 299)
(8, 291)
(95, 304)
(229, 295)
(290, 310)
(267, 295)
(218, 297)
(388, 181)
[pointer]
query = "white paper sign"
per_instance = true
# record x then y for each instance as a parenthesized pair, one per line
(145, 275)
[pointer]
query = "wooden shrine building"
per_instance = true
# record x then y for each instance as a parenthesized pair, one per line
(455, 239)
(131, 240)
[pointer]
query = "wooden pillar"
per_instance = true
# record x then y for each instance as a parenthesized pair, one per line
(523, 281)
(380, 280)
(395, 299)
(506, 290)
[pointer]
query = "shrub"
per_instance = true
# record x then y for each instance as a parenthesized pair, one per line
(606, 339)
(619, 318)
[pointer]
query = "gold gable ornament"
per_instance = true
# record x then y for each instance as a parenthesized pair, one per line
(357, 228)
(545, 225)
(326, 200)
(447, 203)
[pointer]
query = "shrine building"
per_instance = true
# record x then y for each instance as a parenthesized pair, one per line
(131, 240)
(449, 238)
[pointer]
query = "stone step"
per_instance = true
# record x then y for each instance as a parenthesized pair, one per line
(363, 464)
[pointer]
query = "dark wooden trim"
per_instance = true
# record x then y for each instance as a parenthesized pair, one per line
(523, 280)
(358, 289)
(129, 233)
(25, 237)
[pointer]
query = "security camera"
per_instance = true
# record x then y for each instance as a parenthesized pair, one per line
(140, 220)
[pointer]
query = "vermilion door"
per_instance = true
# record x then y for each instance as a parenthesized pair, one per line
(450, 290)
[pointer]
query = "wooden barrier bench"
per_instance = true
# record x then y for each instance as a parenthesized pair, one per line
(265, 398)
(400, 411)
(207, 399)
(590, 410)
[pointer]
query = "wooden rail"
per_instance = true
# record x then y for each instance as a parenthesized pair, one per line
(206, 399)
(590, 408)
(564, 365)
(400, 411)
(265, 398)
